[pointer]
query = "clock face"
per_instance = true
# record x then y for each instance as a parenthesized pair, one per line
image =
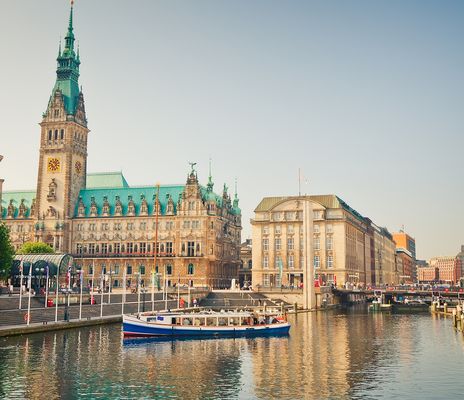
(53, 165)
(78, 167)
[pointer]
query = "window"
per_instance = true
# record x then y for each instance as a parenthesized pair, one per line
(317, 243)
(169, 248)
(191, 205)
(129, 270)
(92, 248)
(275, 216)
(90, 270)
(92, 227)
(103, 269)
(116, 269)
(186, 225)
(278, 262)
(169, 269)
(329, 228)
(142, 269)
(316, 228)
(143, 248)
(317, 214)
(290, 229)
(117, 248)
(290, 262)
(278, 244)
(266, 230)
(143, 226)
(104, 248)
(195, 224)
(265, 262)
(265, 244)
(290, 244)
(266, 280)
(289, 215)
(79, 248)
(62, 134)
(190, 249)
(317, 261)
(169, 225)
(130, 248)
(117, 226)
(329, 242)
(190, 269)
(277, 230)
(105, 227)
(130, 226)
(50, 134)
(56, 131)
(330, 261)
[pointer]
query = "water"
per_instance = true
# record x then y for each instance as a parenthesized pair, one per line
(333, 355)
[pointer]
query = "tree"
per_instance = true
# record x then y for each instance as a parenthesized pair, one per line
(35, 248)
(6, 252)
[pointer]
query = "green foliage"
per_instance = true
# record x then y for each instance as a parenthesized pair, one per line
(6, 251)
(35, 248)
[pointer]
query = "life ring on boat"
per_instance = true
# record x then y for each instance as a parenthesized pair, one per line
(26, 317)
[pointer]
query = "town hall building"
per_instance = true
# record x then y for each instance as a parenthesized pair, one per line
(186, 232)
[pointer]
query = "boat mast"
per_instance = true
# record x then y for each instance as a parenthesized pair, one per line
(157, 210)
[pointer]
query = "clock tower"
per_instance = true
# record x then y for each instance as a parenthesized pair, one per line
(63, 150)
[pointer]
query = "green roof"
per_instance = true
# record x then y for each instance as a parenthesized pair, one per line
(17, 197)
(106, 180)
(125, 193)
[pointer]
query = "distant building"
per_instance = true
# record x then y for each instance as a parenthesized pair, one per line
(449, 269)
(246, 263)
(404, 241)
(427, 274)
(347, 247)
(460, 256)
(406, 255)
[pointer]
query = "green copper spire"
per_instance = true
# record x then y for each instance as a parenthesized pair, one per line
(67, 73)
(210, 184)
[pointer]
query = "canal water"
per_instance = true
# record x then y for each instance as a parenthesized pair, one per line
(332, 355)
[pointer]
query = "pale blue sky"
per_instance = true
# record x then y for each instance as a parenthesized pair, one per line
(365, 96)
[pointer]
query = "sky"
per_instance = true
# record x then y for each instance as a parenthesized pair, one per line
(365, 97)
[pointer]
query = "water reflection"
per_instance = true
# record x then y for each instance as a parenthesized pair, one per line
(327, 355)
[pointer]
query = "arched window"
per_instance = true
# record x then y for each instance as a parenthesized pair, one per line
(62, 134)
(190, 269)
(56, 134)
(50, 134)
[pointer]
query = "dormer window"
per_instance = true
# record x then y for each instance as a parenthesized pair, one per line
(130, 206)
(11, 210)
(62, 134)
(118, 207)
(81, 208)
(106, 207)
(143, 206)
(56, 134)
(93, 207)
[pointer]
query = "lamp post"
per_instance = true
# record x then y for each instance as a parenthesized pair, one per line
(66, 304)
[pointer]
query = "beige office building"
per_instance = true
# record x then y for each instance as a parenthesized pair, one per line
(347, 247)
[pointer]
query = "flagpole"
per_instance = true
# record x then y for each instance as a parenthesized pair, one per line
(124, 291)
(101, 297)
(29, 298)
(57, 294)
(46, 286)
(82, 284)
(21, 266)
(178, 292)
(138, 293)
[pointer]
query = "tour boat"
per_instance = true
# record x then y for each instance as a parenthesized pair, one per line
(410, 306)
(204, 323)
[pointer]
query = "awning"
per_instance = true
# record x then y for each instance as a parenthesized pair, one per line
(39, 262)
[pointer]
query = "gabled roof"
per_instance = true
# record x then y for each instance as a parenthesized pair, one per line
(106, 180)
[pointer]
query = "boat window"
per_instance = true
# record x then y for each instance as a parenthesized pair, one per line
(222, 321)
(174, 321)
(187, 321)
(211, 321)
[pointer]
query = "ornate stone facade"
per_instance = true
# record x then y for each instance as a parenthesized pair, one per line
(109, 226)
